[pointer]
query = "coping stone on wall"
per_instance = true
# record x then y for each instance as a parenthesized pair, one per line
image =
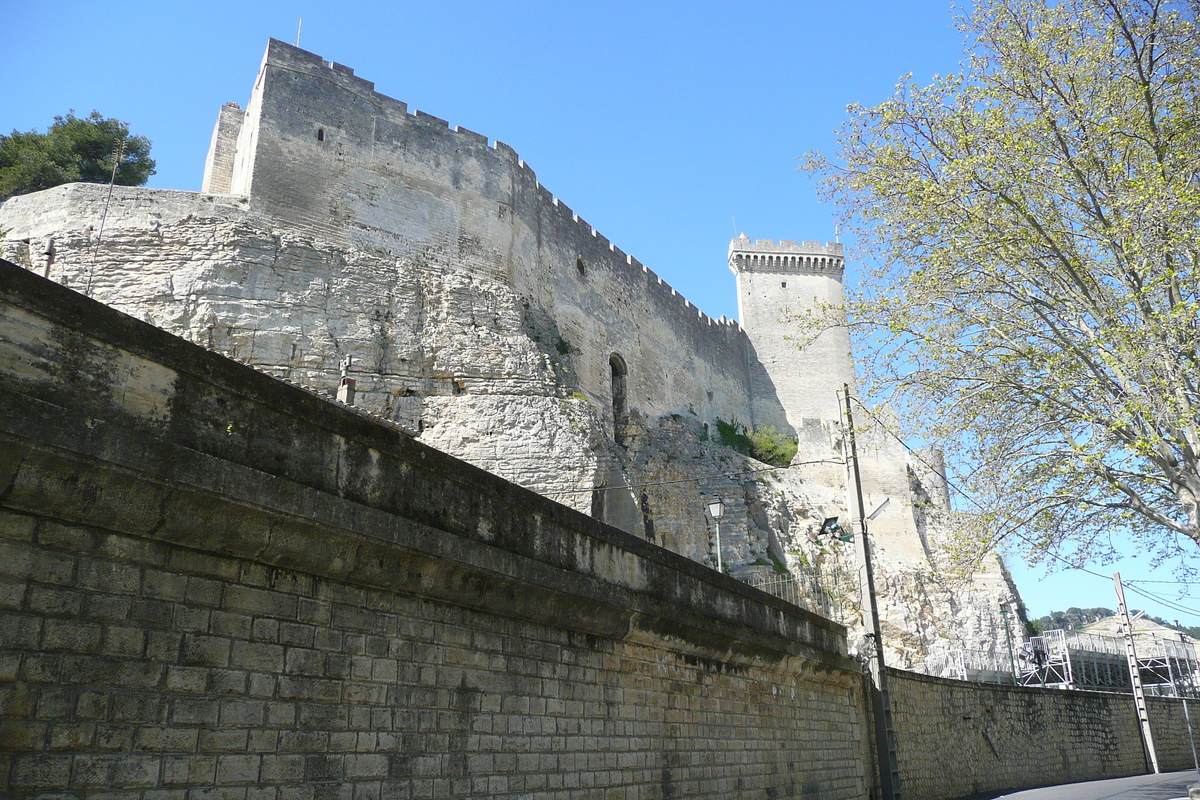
(225, 431)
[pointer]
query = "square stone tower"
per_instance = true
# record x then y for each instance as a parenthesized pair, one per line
(778, 283)
(795, 388)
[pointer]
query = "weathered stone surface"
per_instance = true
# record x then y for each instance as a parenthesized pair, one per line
(257, 591)
(485, 316)
(960, 739)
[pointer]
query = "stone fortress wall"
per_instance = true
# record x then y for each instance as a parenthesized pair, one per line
(490, 320)
(323, 152)
(320, 151)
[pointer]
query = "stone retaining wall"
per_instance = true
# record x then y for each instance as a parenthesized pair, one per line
(956, 738)
(217, 585)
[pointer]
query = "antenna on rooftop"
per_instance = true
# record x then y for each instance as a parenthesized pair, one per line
(299, 25)
(732, 217)
(118, 154)
(837, 232)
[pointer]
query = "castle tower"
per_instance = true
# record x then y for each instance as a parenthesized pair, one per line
(776, 285)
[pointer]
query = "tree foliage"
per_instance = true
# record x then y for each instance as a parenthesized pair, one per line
(1075, 618)
(1034, 223)
(73, 149)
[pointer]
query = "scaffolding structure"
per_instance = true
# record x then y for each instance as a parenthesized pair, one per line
(1089, 661)
(1169, 668)
(1068, 660)
(968, 665)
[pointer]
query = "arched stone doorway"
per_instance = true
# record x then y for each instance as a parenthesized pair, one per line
(619, 371)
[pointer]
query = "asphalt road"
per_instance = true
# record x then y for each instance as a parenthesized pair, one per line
(1164, 786)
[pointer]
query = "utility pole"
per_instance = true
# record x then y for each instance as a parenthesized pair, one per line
(1135, 676)
(1012, 662)
(885, 735)
(1187, 718)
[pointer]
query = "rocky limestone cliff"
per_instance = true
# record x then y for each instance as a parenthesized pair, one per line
(460, 360)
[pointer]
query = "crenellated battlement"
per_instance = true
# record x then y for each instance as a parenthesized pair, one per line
(281, 55)
(492, 155)
(285, 56)
(786, 257)
(745, 244)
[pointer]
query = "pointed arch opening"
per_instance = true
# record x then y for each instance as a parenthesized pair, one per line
(619, 372)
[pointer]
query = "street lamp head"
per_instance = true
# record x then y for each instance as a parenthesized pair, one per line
(1004, 607)
(716, 507)
(832, 527)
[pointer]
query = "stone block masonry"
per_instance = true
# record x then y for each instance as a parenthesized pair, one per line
(957, 739)
(157, 670)
(217, 585)
(486, 315)
(777, 284)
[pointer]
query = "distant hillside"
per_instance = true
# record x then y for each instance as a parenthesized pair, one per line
(1075, 618)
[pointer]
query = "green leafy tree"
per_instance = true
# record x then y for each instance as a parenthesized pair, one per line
(1073, 618)
(1033, 224)
(73, 149)
(1078, 618)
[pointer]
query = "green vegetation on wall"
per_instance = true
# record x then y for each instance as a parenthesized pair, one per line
(763, 443)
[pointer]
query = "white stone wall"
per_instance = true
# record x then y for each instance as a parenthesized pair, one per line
(222, 151)
(482, 314)
(335, 159)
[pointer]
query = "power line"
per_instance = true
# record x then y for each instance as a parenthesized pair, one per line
(1171, 604)
(1070, 565)
(118, 154)
(1173, 583)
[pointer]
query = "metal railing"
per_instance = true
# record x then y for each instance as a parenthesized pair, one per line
(968, 665)
(804, 591)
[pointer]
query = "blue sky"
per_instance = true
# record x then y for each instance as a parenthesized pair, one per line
(667, 126)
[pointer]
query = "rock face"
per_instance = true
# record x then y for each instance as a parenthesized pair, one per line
(486, 318)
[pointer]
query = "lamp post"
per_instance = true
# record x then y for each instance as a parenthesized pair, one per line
(716, 508)
(345, 392)
(1012, 662)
